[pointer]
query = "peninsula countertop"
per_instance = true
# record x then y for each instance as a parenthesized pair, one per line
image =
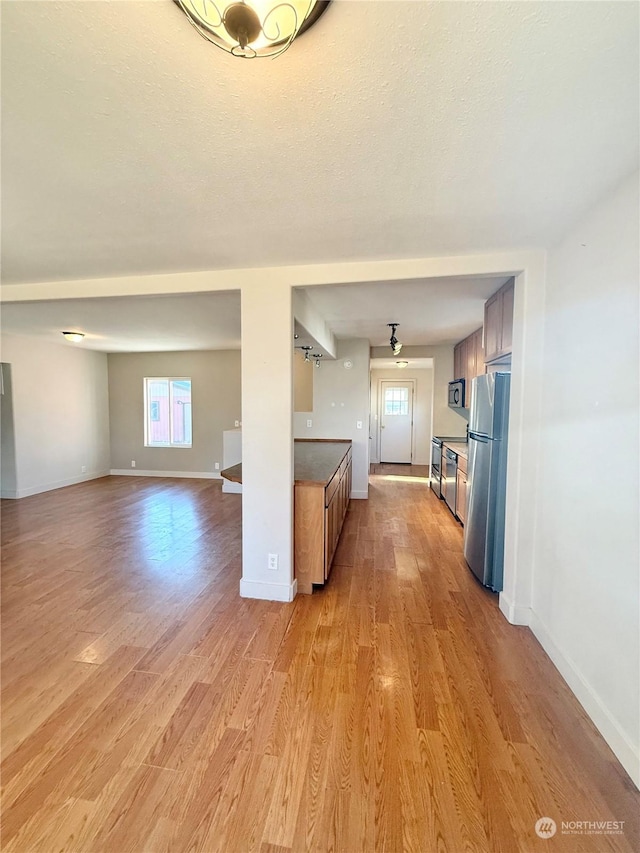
(314, 461)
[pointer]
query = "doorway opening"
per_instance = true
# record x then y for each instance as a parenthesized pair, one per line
(395, 421)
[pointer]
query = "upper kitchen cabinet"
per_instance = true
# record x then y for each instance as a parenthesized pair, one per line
(475, 355)
(468, 362)
(507, 318)
(498, 323)
(459, 359)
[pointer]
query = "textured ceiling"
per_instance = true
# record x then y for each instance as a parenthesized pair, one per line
(141, 324)
(391, 129)
(430, 313)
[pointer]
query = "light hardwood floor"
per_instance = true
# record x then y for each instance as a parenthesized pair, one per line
(149, 708)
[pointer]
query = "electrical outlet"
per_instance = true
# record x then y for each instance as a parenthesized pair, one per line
(84, 469)
(309, 422)
(133, 463)
(237, 423)
(358, 424)
(273, 562)
(216, 466)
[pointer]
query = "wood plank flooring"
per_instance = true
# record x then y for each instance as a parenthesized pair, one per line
(147, 707)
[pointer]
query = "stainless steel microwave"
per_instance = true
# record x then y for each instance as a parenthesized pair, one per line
(456, 394)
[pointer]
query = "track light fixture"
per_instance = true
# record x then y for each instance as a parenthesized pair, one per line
(394, 343)
(309, 356)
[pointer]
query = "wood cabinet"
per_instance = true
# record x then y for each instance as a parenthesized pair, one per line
(319, 511)
(498, 323)
(335, 510)
(461, 489)
(507, 318)
(468, 362)
(459, 360)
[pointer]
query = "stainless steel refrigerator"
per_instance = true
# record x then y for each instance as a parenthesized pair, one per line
(487, 478)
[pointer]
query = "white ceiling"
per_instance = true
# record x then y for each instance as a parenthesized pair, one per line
(434, 312)
(430, 313)
(390, 130)
(140, 324)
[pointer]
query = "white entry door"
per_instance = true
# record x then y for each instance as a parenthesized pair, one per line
(396, 421)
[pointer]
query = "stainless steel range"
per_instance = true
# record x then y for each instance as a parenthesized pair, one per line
(436, 460)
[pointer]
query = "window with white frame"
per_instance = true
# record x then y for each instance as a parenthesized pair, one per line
(396, 401)
(167, 412)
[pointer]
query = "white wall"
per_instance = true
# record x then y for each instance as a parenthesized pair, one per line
(8, 475)
(302, 383)
(267, 441)
(422, 410)
(61, 414)
(340, 400)
(216, 405)
(586, 590)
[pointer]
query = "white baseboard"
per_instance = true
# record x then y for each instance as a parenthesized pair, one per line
(627, 754)
(516, 614)
(359, 496)
(50, 487)
(230, 487)
(268, 591)
(191, 475)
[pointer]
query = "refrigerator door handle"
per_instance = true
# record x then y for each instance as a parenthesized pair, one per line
(479, 436)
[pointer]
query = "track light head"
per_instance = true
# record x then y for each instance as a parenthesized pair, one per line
(394, 343)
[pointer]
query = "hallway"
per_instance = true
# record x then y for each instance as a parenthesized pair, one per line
(149, 708)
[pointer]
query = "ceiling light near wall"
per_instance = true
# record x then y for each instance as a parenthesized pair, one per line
(402, 363)
(258, 28)
(74, 337)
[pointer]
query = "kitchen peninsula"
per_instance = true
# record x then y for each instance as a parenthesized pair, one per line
(322, 486)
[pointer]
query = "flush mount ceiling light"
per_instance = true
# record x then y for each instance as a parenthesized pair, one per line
(258, 28)
(74, 337)
(394, 343)
(402, 364)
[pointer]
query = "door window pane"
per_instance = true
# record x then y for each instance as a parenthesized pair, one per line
(396, 401)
